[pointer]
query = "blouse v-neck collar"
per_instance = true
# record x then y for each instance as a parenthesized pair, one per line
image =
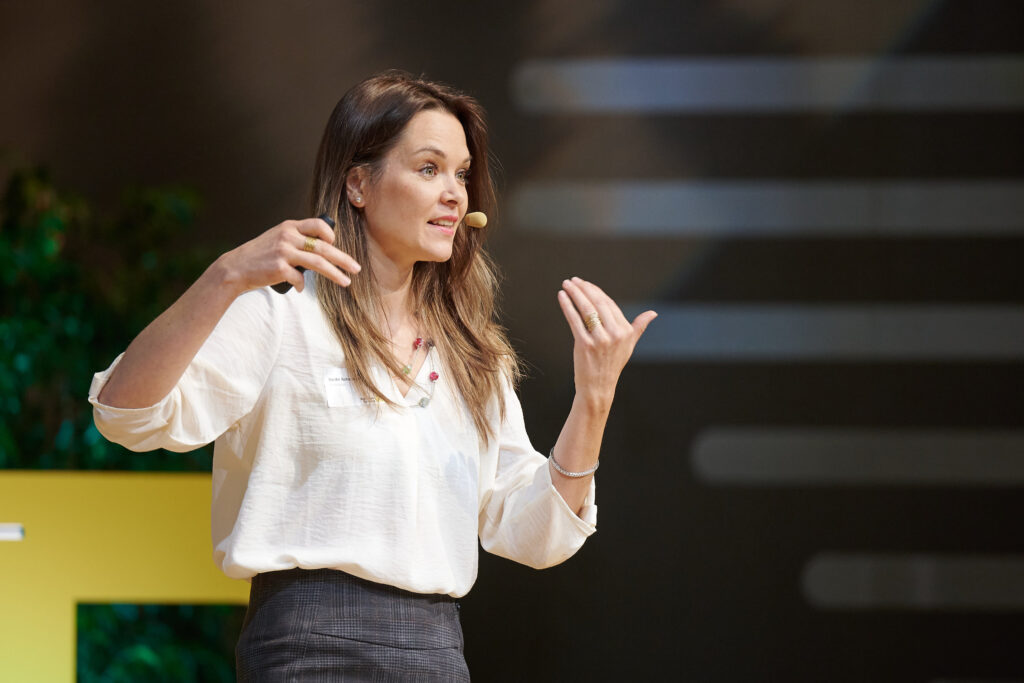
(421, 384)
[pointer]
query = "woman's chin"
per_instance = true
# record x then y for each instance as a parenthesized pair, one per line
(438, 255)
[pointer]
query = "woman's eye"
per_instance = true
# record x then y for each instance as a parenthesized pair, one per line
(429, 170)
(462, 176)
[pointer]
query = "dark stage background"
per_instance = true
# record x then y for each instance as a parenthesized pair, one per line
(813, 468)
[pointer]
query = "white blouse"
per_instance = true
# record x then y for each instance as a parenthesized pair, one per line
(308, 474)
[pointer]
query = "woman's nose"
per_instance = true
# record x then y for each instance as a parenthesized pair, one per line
(454, 192)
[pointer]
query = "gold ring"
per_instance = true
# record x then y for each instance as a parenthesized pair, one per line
(310, 243)
(592, 321)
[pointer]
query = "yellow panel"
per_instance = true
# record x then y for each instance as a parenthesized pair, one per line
(98, 537)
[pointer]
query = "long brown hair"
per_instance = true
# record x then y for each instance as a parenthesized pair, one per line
(455, 298)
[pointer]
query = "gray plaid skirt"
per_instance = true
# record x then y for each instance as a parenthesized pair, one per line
(326, 625)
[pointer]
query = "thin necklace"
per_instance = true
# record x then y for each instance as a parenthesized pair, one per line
(425, 400)
(407, 369)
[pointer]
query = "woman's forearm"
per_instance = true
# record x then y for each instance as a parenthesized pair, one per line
(604, 341)
(578, 448)
(158, 357)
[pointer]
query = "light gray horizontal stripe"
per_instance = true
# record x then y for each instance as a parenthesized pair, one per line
(766, 84)
(827, 457)
(915, 582)
(830, 333)
(772, 208)
(12, 532)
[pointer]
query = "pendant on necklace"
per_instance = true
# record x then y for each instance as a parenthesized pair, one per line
(407, 368)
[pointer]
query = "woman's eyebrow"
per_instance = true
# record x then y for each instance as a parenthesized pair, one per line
(439, 153)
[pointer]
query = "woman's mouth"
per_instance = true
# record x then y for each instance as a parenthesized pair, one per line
(444, 224)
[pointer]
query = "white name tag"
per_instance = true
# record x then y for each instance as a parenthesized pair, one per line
(339, 389)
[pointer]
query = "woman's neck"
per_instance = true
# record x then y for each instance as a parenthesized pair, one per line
(394, 283)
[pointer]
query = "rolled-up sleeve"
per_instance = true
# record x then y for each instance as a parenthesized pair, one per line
(219, 387)
(523, 517)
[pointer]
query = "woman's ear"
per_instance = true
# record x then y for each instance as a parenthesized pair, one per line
(355, 184)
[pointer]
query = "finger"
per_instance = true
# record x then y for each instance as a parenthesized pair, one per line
(321, 265)
(316, 227)
(337, 257)
(584, 306)
(329, 251)
(641, 322)
(612, 320)
(572, 316)
(610, 311)
(293, 277)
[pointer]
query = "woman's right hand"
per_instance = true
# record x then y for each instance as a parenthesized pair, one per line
(158, 357)
(275, 255)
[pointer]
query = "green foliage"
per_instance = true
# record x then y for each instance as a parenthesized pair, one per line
(157, 643)
(77, 288)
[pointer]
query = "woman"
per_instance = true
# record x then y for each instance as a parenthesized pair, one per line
(366, 424)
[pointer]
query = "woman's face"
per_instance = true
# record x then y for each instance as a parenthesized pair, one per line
(415, 206)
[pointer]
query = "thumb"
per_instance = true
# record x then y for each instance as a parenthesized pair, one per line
(641, 322)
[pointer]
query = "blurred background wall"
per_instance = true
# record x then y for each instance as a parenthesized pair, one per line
(813, 468)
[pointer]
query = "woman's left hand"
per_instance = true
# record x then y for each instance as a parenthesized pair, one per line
(600, 353)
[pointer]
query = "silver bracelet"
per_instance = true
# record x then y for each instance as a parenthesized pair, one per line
(567, 473)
